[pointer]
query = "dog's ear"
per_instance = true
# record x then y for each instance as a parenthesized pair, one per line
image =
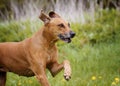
(44, 17)
(52, 14)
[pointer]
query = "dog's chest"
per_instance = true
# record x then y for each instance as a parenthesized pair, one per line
(51, 54)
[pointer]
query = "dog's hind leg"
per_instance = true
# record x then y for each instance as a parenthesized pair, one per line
(2, 78)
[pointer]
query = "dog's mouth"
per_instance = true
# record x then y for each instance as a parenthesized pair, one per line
(65, 39)
(68, 40)
(67, 36)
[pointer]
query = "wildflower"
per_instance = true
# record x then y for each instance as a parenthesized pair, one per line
(113, 83)
(117, 80)
(19, 84)
(30, 81)
(93, 78)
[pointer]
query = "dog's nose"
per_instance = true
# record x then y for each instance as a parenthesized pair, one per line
(72, 34)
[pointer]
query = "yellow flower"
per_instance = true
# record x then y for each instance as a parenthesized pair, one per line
(19, 84)
(30, 81)
(117, 80)
(113, 83)
(93, 78)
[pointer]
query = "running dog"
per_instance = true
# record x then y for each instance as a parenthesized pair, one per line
(33, 55)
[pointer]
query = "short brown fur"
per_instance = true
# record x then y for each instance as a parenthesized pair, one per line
(33, 55)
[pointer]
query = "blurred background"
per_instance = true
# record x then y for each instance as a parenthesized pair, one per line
(95, 51)
(69, 9)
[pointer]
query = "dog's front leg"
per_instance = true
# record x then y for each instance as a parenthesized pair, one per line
(56, 68)
(39, 71)
(67, 70)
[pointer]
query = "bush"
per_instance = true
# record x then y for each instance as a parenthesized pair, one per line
(105, 29)
(17, 31)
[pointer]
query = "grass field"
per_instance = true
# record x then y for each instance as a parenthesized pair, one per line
(94, 53)
(97, 65)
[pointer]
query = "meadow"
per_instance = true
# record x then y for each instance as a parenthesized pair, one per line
(94, 53)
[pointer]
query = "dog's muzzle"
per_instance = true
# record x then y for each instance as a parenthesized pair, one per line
(72, 34)
(67, 36)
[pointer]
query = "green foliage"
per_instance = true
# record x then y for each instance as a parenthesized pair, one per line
(17, 31)
(105, 28)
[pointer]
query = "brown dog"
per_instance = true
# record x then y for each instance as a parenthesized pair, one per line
(33, 55)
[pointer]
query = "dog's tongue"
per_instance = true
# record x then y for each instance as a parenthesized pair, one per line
(68, 40)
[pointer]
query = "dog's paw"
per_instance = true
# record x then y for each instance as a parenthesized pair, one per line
(67, 70)
(67, 77)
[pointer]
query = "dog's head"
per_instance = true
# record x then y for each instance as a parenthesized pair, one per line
(57, 26)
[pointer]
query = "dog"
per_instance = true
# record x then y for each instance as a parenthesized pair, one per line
(33, 55)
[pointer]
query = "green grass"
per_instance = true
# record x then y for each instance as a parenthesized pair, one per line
(101, 61)
(94, 53)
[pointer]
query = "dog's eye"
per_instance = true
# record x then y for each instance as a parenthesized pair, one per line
(68, 24)
(61, 25)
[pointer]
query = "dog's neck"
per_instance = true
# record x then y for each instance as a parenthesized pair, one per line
(43, 36)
